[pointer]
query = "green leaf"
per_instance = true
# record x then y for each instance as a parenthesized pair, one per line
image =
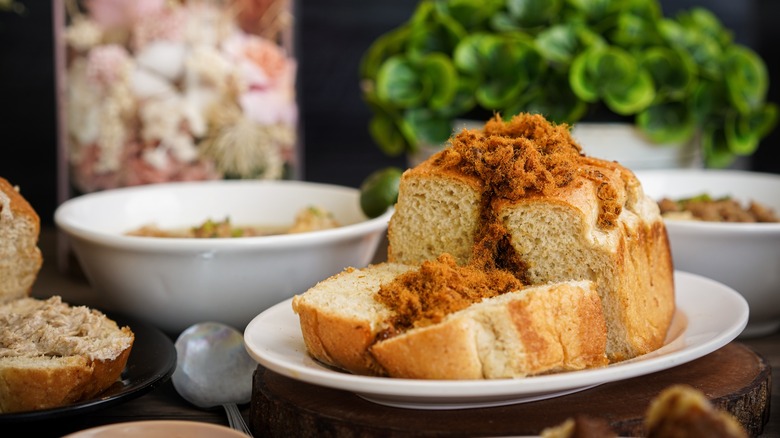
(562, 42)
(746, 78)
(387, 135)
(441, 79)
(715, 149)
(430, 127)
(765, 119)
(387, 45)
(709, 97)
(740, 138)
(558, 104)
(634, 30)
(613, 75)
(673, 71)
(472, 52)
(440, 33)
(582, 77)
(464, 99)
(533, 13)
(472, 15)
(745, 131)
(667, 123)
(399, 84)
(597, 10)
(704, 23)
(633, 98)
(705, 52)
(503, 66)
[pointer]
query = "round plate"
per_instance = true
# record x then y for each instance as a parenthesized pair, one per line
(709, 315)
(152, 361)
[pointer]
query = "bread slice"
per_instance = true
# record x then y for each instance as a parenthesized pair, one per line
(542, 329)
(52, 354)
(20, 257)
(564, 216)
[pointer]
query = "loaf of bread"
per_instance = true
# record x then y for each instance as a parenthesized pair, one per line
(20, 257)
(459, 325)
(53, 354)
(522, 196)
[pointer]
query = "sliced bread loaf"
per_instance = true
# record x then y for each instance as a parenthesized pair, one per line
(521, 196)
(535, 330)
(52, 354)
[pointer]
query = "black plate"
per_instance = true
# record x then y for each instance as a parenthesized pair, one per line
(152, 362)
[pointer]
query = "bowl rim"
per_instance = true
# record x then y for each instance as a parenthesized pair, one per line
(709, 227)
(367, 226)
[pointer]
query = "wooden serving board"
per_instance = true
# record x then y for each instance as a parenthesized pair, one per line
(734, 378)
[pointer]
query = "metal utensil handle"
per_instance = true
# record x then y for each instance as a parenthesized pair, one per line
(235, 419)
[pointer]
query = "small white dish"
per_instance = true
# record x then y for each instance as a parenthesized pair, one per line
(709, 315)
(743, 256)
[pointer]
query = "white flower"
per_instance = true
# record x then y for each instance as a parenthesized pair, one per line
(207, 24)
(147, 84)
(83, 107)
(162, 124)
(196, 104)
(83, 34)
(166, 58)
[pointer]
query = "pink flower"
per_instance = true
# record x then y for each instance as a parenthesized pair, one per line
(168, 24)
(269, 107)
(106, 64)
(266, 55)
(263, 61)
(121, 13)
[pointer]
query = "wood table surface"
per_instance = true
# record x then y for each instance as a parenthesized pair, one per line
(163, 403)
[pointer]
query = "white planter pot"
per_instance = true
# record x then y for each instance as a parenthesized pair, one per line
(622, 142)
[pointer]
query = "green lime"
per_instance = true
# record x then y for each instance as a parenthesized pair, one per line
(379, 191)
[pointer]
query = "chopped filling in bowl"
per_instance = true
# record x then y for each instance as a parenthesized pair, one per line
(308, 219)
(706, 208)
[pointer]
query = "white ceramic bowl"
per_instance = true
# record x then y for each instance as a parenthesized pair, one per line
(745, 256)
(174, 283)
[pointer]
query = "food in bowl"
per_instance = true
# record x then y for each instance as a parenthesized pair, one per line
(311, 218)
(724, 209)
(510, 254)
(741, 255)
(174, 283)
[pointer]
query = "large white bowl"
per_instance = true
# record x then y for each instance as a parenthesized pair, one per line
(745, 256)
(174, 283)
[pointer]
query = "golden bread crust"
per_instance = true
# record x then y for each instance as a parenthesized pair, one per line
(52, 354)
(538, 330)
(20, 257)
(69, 380)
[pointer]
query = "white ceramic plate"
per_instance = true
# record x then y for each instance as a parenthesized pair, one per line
(709, 315)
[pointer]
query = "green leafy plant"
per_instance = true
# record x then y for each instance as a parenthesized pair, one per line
(676, 78)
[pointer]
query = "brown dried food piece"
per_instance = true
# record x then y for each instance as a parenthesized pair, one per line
(681, 411)
(580, 426)
(706, 208)
(425, 296)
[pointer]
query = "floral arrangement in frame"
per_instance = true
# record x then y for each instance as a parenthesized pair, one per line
(177, 90)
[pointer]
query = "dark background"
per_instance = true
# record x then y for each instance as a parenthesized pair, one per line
(331, 37)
